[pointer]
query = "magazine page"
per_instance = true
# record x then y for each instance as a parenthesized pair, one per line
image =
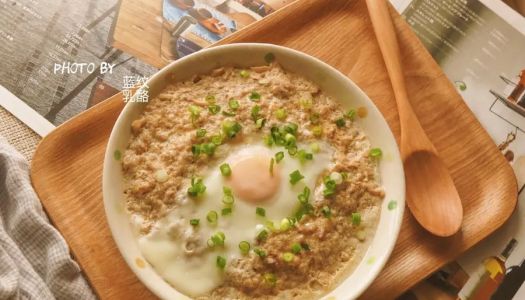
(481, 52)
(59, 58)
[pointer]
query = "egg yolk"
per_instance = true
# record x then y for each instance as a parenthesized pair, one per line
(252, 181)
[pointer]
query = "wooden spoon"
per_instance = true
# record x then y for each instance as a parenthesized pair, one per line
(431, 194)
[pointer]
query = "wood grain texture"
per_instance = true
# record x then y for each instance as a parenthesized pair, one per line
(67, 166)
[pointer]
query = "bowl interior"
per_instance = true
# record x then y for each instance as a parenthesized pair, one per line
(332, 83)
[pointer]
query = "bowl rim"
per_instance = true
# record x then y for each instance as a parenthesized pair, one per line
(161, 74)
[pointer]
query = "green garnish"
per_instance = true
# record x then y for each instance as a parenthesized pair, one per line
(268, 140)
(225, 170)
(233, 104)
(195, 112)
(255, 112)
(262, 235)
(197, 187)
(227, 197)
(285, 224)
(303, 156)
(260, 123)
(356, 219)
(327, 212)
(244, 246)
(269, 58)
(260, 252)
(281, 114)
(306, 103)
(288, 257)
(254, 96)
(212, 216)
(244, 74)
(260, 211)
(351, 114)
(210, 99)
(216, 139)
(279, 156)
(292, 150)
(194, 222)
(218, 238)
(329, 186)
(392, 205)
(295, 177)
(340, 122)
(201, 132)
(221, 262)
(231, 128)
(317, 131)
(270, 278)
(296, 248)
(208, 148)
(214, 109)
(375, 153)
(290, 139)
(117, 155)
(315, 147)
(226, 211)
(304, 196)
(272, 162)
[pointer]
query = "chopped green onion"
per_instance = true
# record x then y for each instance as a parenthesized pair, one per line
(270, 278)
(344, 175)
(292, 150)
(340, 122)
(233, 104)
(244, 246)
(210, 99)
(290, 139)
(268, 140)
(303, 156)
(376, 153)
(290, 128)
(194, 222)
(269, 224)
(228, 196)
(228, 113)
(201, 132)
(226, 211)
(260, 123)
(269, 57)
(197, 187)
(218, 238)
(208, 148)
(231, 128)
(196, 149)
(306, 103)
(272, 162)
(117, 155)
(212, 216)
(336, 177)
(214, 109)
(315, 118)
(260, 211)
(254, 96)
(210, 243)
(279, 156)
(296, 248)
(225, 170)
(195, 112)
(329, 186)
(317, 131)
(255, 112)
(392, 205)
(285, 224)
(303, 197)
(295, 177)
(216, 139)
(281, 114)
(244, 74)
(288, 257)
(260, 252)
(356, 219)
(327, 213)
(351, 114)
(221, 262)
(315, 147)
(262, 235)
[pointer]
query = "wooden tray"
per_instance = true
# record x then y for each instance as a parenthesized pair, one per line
(67, 166)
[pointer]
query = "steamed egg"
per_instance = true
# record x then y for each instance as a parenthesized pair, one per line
(180, 252)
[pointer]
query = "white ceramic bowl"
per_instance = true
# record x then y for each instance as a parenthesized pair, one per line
(331, 82)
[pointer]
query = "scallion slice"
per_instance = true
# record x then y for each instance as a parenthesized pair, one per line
(376, 153)
(281, 114)
(295, 177)
(214, 109)
(296, 248)
(226, 211)
(260, 211)
(210, 99)
(227, 198)
(212, 216)
(201, 132)
(244, 74)
(231, 128)
(255, 96)
(244, 246)
(356, 219)
(225, 170)
(327, 212)
(233, 104)
(221, 262)
(194, 222)
(260, 252)
(197, 187)
(288, 257)
(279, 156)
